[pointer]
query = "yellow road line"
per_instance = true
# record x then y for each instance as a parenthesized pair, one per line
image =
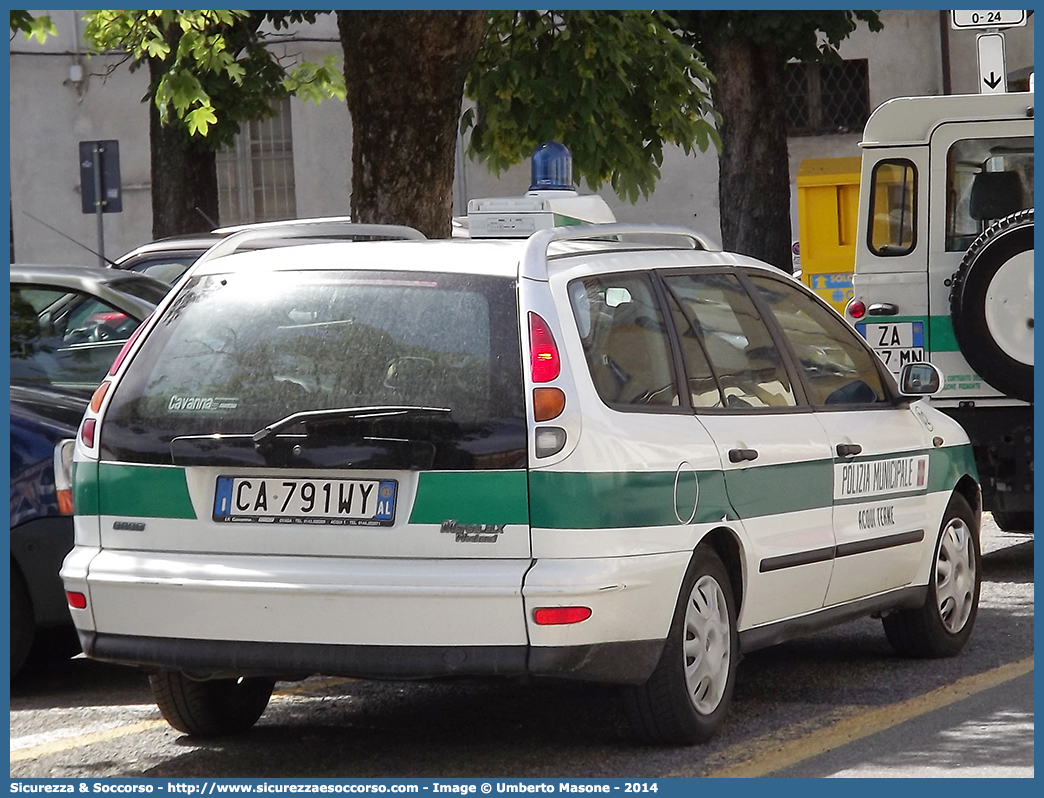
(69, 743)
(772, 754)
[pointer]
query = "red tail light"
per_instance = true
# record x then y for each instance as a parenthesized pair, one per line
(543, 351)
(77, 601)
(87, 432)
(856, 309)
(126, 347)
(554, 616)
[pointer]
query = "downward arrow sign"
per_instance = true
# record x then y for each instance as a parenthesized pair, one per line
(989, 49)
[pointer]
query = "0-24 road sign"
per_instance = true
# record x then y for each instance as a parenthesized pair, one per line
(987, 19)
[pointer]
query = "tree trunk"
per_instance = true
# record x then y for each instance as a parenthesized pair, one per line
(184, 176)
(753, 167)
(405, 75)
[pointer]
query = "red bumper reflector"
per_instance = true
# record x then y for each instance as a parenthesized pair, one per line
(77, 601)
(553, 616)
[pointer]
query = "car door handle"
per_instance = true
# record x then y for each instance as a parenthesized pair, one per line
(739, 455)
(848, 449)
(883, 309)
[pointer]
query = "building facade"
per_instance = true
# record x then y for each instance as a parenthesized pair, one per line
(299, 163)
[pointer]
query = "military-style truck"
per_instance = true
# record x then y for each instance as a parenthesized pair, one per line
(944, 269)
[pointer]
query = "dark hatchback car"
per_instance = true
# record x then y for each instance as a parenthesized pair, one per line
(67, 325)
(167, 259)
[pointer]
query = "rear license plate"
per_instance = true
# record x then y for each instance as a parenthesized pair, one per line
(897, 343)
(344, 502)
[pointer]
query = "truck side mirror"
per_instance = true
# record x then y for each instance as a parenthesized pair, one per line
(920, 379)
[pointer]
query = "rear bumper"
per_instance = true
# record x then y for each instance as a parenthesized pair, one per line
(374, 618)
(629, 662)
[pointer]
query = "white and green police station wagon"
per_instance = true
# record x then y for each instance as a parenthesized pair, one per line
(602, 452)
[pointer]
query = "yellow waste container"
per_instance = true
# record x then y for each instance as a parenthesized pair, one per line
(828, 204)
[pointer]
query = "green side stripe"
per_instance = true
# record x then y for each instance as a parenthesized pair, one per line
(565, 500)
(561, 500)
(783, 488)
(941, 334)
(946, 466)
(553, 500)
(85, 488)
(471, 497)
(143, 491)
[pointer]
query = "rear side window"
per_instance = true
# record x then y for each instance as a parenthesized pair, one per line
(625, 340)
(234, 353)
(732, 336)
(838, 367)
(893, 202)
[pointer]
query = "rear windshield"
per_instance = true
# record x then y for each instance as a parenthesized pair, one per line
(236, 353)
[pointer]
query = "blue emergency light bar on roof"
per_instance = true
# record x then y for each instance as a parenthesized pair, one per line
(551, 168)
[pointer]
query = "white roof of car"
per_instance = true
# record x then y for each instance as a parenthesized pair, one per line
(492, 257)
(535, 257)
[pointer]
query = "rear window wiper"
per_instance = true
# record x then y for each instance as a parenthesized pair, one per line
(264, 435)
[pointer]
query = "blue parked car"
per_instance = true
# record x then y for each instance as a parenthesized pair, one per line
(67, 325)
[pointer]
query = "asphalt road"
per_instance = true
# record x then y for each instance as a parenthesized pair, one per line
(839, 702)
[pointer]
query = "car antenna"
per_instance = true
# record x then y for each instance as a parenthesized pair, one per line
(210, 221)
(63, 235)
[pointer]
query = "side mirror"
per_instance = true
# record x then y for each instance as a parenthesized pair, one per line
(920, 379)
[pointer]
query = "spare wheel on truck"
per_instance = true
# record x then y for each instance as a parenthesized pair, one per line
(991, 303)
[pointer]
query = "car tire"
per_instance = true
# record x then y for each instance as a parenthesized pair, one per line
(991, 310)
(942, 626)
(1014, 521)
(210, 708)
(686, 698)
(23, 624)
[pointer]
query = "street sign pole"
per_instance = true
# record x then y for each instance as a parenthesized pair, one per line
(96, 152)
(100, 190)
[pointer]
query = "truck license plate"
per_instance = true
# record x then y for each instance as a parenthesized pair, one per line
(897, 343)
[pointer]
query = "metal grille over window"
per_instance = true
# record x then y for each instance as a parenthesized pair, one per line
(256, 174)
(827, 98)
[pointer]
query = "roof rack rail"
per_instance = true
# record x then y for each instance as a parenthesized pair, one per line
(239, 228)
(331, 229)
(534, 259)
